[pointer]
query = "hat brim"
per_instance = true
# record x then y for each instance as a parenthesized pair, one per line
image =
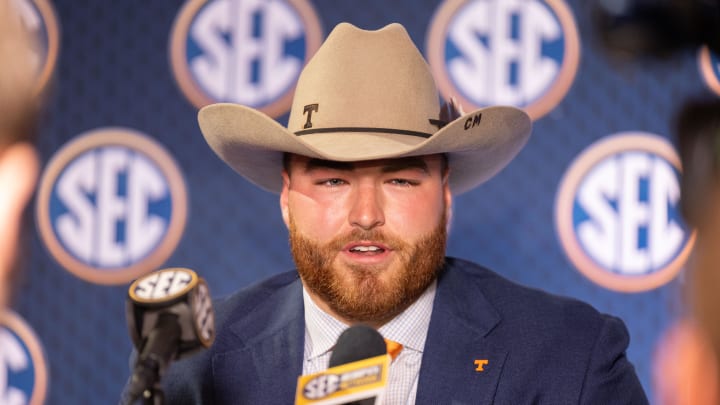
(253, 144)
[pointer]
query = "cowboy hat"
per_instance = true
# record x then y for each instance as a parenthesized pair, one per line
(366, 95)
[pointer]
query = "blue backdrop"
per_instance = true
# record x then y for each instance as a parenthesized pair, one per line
(586, 210)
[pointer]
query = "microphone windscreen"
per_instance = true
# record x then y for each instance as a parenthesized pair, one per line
(357, 343)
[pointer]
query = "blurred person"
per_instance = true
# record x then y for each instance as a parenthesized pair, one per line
(698, 133)
(19, 163)
(687, 368)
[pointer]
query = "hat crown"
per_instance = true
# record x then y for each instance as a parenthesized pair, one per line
(366, 95)
(366, 79)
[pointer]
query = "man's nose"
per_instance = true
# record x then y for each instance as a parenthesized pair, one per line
(367, 211)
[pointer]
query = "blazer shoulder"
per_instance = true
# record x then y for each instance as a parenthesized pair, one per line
(530, 306)
(253, 296)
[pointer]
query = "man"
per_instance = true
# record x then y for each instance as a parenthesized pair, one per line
(366, 171)
(18, 159)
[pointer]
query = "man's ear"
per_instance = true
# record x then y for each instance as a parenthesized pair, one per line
(284, 198)
(447, 195)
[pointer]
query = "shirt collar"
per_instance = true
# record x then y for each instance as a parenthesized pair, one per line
(409, 328)
(322, 329)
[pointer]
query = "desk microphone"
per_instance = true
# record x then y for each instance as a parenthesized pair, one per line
(170, 316)
(358, 372)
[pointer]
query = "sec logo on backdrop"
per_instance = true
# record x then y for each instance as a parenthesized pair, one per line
(617, 213)
(523, 53)
(709, 63)
(39, 19)
(248, 52)
(111, 205)
(23, 370)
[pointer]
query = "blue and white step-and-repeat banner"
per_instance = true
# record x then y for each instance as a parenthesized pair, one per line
(589, 208)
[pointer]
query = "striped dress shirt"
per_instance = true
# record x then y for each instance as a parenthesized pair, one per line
(409, 329)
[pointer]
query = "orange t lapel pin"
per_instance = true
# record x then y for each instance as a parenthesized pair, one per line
(481, 364)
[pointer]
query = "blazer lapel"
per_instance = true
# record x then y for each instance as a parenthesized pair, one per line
(264, 361)
(462, 362)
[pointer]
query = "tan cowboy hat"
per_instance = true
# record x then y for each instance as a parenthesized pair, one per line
(366, 95)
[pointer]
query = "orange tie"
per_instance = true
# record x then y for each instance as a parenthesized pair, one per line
(393, 348)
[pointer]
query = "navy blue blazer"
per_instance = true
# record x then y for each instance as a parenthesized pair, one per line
(540, 348)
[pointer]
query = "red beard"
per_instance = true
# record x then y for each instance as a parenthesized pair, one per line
(356, 293)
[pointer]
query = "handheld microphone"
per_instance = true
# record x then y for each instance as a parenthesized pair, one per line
(358, 372)
(170, 316)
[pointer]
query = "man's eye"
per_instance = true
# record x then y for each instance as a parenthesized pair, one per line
(331, 182)
(403, 182)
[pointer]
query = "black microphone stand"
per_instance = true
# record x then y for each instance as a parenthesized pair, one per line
(153, 395)
(159, 350)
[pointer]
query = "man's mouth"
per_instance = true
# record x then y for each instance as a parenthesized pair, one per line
(367, 249)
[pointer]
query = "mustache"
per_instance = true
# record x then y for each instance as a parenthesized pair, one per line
(373, 235)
